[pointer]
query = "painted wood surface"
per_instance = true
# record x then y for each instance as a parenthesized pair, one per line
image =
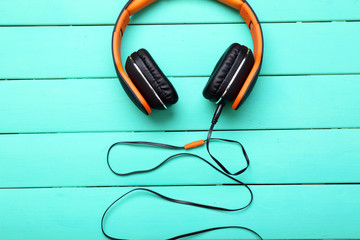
(278, 212)
(82, 12)
(88, 105)
(61, 106)
(180, 50)
(277, 157)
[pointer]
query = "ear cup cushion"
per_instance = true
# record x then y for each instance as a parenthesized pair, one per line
(156, 77)
(238, 75)
(137, 77)
(220, 79)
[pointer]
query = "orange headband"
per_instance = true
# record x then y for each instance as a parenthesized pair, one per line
(133, 6)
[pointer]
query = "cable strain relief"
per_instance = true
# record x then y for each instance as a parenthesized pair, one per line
(217, 113)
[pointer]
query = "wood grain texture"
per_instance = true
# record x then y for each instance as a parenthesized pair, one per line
(278, 212)
(54, 182)
(88, 105)
(67, 12)
(181, 50)
(277, 157)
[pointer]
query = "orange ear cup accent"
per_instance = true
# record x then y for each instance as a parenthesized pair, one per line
(256, 34)
(117, 37)
(252, 22)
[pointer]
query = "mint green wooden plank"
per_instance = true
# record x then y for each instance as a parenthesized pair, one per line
(102, 105)
(311, 156)
(16, 12)
(66, 52)
(278, 212)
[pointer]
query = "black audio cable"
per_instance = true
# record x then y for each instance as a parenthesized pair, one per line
(222, 170)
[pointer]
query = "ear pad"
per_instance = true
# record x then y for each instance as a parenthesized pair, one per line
(150, 80)
(229, 74)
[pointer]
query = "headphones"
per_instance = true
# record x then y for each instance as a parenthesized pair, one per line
(147, 86)
(231, 80)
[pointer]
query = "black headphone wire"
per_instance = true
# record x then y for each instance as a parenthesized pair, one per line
(222, 170)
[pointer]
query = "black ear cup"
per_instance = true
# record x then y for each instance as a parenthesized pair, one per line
(150, 80)
(229, 74)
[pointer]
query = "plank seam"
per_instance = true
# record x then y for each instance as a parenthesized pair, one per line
(190, 23)
(183, 185)
(198, 76)
(184, 131)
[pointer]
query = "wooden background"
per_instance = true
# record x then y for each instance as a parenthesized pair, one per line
(61, 106)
